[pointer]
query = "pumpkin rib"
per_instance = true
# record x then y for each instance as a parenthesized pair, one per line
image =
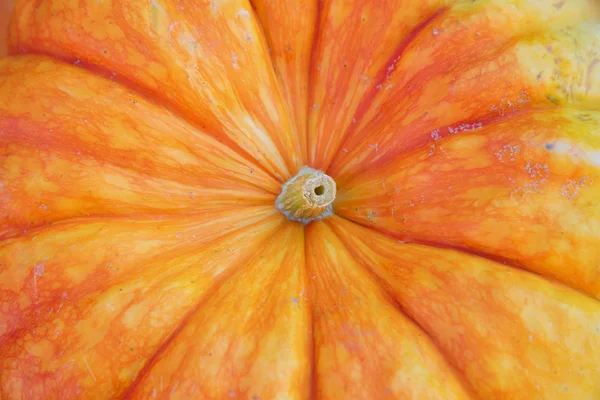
(71, 140)
(407, 107)
(323, 129)
(424, 278)
(15, 244)
(156, 101)
(444, 133)
(312, 79)
(151, 294)
(380, 78)
(314, 389)
(144, 195)
(385, 286)
(348, 135)
(482, 11)
(256, 122)
(148, 96)
(505, 261)
(448, 131)
(289, 30)
(27, 230)
(25, 141)
(364, 344)
(535, 185)
(207, 388)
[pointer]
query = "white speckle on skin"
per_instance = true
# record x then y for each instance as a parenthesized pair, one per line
(234, 63)
(572, 188)
(436, 31)
(539, 174)
(174, 388)
(465, 127)
(89, 369)
(537, 170)
(593, 156)
(159, 7)
(39, 269)
(301, 294)
(435, 135)
(507, 152)
(260, 133)
(243, 13)
(561, 146)
(431, 150)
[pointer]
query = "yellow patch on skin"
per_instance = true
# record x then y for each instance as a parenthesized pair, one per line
(136, 58)
(92, 329)
(566, 76)
(158, 71)
(133, 315)
(75, 275)
(159, 18)
(428, 279)
(42, 348)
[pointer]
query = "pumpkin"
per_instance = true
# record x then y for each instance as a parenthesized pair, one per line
(254, 199)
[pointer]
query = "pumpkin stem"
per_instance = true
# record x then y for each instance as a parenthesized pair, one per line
(307, 196)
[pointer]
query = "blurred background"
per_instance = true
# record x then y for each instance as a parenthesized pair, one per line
(5, 9)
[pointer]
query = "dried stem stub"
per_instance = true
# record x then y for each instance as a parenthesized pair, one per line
(308, 196)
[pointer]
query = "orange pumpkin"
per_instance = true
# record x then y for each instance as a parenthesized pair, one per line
(149, 190)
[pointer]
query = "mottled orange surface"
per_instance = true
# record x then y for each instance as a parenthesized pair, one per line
(143, 144)
(5, 12)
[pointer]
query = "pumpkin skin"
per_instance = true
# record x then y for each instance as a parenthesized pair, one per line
(143, 144)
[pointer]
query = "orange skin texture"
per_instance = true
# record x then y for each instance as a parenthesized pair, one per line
(143, 145)
(5, 13)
